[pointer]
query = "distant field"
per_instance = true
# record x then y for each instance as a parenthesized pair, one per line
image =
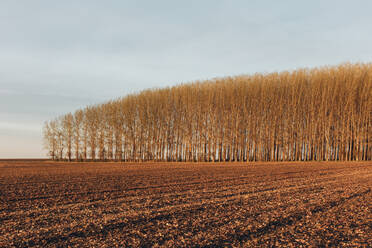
(51, 204)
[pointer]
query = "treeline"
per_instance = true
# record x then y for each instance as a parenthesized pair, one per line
(308, 114)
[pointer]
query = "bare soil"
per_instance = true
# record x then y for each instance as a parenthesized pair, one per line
(56, 204)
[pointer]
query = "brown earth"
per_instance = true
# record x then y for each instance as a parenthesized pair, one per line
(50, 204)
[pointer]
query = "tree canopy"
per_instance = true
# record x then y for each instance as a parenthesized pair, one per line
(307, 114)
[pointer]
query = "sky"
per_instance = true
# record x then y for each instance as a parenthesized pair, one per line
(59, 56)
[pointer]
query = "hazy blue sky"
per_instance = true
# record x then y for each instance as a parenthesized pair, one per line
(57, 56)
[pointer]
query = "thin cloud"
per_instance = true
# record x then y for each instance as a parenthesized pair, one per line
(19, 126)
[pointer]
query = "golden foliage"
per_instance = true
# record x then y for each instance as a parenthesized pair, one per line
(307, 114)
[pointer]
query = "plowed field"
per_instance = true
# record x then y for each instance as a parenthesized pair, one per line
(51, 204)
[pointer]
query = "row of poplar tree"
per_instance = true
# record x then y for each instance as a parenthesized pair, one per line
(308, 114)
